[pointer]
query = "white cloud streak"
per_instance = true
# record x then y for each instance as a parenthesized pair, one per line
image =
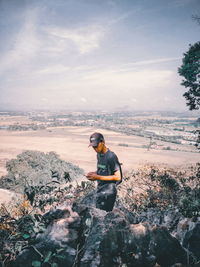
(85, 39)
(26, 44)
(153, 61)
(55, 69)
(143, 79)
(90, 69)
(123, 16)
(83, 99)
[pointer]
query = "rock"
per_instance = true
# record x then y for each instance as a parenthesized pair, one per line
(108, 239)
(192, 241)
(89, 200)
(87, 236)
(168, 218)
(167, 249)
(61, 234)
(185, 225)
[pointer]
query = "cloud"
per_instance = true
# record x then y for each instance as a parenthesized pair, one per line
(85, 39)
(113, 82)
(181, 3)
(26, 43)
(123, 16)
(54, 69)
(166, 99)
(132, 79)
(134, 100)
(83, 99)
(153, 61)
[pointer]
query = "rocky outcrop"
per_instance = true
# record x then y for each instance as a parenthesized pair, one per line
(191, 240)
(86, 236)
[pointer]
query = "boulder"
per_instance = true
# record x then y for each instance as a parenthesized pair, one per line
(60, 238)
(85, 236)
(191, 241)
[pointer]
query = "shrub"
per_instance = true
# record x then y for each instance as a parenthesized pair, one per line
(37, 169)
(161, 187)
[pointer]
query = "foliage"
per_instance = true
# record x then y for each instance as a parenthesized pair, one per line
(21, 223)
(45, 181)
(123, 144)
(196, 18)
(156, 187)
(197, 144)
(190, 70)
(37, 169)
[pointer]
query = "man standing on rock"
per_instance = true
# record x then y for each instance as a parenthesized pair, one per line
(108, 173)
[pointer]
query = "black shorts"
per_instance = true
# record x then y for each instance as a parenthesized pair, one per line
(105, 196)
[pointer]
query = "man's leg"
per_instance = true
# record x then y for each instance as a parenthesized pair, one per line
(105, 197)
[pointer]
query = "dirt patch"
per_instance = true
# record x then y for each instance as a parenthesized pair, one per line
(6, 196)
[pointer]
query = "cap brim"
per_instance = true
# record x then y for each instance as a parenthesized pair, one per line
(93, 144)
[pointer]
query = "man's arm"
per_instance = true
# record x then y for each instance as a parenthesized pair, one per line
(92, 176)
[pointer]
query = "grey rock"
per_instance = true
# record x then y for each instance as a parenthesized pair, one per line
(92, 237)
(192, 241)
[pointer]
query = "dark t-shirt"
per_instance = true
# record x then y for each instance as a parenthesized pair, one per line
(107, 164)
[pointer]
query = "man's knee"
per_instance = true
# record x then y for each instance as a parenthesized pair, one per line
(105, 201)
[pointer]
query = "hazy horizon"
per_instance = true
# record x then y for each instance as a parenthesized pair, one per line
(192, 113)
(94, 55)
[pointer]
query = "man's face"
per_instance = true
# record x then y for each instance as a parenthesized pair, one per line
(99, 148)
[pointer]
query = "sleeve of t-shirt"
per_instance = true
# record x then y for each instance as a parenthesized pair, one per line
(113, 163)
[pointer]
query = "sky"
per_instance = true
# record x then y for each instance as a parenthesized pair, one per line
(94, 54)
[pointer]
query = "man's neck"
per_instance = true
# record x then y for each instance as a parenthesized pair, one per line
(104, 150)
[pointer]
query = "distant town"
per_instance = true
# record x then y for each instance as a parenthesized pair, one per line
(171, 127)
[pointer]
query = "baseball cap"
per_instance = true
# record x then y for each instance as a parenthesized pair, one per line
(95, 139)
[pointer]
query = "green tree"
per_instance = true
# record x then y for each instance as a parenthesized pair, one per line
(196, 18)
(190, 70)
(35, 168)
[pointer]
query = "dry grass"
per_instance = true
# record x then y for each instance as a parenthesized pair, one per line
(71, 143)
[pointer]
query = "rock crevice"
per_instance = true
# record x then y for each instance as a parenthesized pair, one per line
(85, 236)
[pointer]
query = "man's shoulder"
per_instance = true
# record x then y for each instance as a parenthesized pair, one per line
(111, 155)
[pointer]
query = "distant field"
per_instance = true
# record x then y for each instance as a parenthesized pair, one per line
(71, 143)
(7, 120)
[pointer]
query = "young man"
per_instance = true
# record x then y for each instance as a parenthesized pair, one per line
(107, 174)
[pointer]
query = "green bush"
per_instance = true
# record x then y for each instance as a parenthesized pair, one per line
(37, 169)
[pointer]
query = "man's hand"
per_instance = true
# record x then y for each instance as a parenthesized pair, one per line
(92, 176)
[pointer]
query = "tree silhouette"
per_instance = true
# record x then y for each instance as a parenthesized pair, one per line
(190, 70)
(196, 18)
